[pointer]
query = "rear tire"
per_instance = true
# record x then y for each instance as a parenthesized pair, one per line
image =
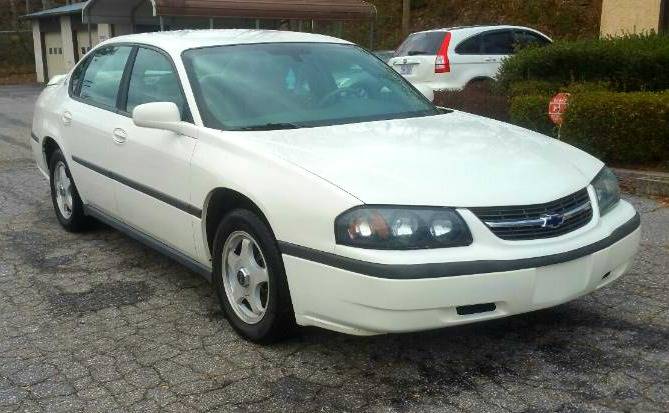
(250, 279)
(64, 195)
(480, 86)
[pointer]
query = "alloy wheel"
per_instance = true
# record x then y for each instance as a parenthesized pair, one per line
(245, 277)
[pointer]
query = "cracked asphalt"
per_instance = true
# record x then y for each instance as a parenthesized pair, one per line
(97, 322)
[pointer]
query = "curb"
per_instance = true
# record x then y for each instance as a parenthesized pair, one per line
(644, 182)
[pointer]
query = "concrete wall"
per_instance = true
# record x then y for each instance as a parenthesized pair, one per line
(630, 16)
(68, 42)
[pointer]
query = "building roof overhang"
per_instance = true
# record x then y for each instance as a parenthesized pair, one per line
(74, 8)
(117, 11)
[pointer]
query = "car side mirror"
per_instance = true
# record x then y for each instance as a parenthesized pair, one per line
(162, 115)
(427, 91)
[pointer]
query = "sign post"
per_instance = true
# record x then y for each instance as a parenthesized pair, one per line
(557, 108)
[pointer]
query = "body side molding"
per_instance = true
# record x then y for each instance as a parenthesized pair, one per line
(176, 203)
(454, 269)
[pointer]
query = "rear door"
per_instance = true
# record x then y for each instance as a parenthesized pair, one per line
(87, 124)
(497, 46)
(468, 61)
(415, 59)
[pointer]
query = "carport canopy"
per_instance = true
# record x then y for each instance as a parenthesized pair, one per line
(123, 11)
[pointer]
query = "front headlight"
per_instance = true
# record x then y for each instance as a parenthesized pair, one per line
(607, 189)
(401, 228)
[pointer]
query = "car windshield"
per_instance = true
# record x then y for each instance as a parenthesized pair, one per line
(292, 85)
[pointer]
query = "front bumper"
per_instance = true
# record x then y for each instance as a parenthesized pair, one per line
(359, 300)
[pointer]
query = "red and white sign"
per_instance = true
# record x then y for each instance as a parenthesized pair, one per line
(557, 107)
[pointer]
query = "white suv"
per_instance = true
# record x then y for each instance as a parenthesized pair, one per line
(452, 58)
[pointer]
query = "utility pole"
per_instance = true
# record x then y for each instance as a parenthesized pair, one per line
(406, 17)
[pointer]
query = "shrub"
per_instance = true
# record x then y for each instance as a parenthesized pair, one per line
(544, 88)
(621, 128)
(530, 88)
(531, 112)
(631, 63)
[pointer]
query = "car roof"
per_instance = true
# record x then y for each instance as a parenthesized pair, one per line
(180, 40)
(470, 30)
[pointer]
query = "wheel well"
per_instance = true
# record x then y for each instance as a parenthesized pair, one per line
(221, 202)
(49, 147)
(481, 79)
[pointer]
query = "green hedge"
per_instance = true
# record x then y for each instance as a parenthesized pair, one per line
(531, 112)
(544, 88)
(631, 63)
(621, 128)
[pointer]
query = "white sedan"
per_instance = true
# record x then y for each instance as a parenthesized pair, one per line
(313, 185)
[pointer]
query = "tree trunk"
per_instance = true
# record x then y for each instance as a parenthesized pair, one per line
(406, 17)
(15, 14)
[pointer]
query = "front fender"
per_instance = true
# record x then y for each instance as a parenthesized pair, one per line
(300, 206)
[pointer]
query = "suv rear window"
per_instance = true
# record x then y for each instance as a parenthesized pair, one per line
(427, 43)
(473, 45)
(525, 38)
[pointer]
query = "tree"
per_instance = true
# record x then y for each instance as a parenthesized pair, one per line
(406, 16)
(14, 15)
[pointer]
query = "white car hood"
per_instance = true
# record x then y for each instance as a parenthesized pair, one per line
(456, 159)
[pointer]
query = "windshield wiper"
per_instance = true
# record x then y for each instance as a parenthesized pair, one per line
(270, 126)
(417, 52)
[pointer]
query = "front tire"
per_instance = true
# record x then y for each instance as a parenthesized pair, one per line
(250, 279)
(64, 195)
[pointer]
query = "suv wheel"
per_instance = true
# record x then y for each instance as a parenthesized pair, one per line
(250, 279)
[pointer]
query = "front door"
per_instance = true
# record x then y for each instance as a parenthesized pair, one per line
(153, 186)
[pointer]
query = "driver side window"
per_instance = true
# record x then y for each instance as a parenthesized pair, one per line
(153, 79)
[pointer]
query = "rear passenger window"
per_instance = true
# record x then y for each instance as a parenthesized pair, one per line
(499, 43)
(153, 80)
(100, 84)
(427, 43)
(77, 77)
(473, 45)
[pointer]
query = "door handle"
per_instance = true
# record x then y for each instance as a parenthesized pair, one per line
(119, 136)
(490, 59)
(66, 118)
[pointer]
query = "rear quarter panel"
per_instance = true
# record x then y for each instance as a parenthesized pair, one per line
(46, 120)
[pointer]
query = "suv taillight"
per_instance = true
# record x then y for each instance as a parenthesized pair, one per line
(442, 64)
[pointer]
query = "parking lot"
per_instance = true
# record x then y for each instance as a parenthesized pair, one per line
(98, 322)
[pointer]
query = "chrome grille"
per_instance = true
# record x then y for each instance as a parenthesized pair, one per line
(547, 220)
